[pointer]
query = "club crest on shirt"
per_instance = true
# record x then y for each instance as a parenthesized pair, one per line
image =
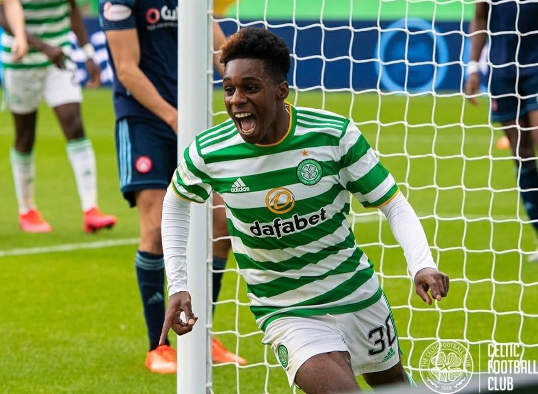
(309, 172)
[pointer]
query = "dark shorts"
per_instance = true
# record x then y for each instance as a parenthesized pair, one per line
(510, 100)
(147, 155)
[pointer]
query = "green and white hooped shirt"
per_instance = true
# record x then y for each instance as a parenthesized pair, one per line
(287, 206)
(47, 19)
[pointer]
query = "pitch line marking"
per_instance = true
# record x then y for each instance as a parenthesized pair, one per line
(361, 218)
(68, 247)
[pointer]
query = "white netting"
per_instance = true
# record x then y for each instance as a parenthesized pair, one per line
(397, 68)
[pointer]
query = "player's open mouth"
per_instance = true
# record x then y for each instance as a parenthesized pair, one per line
(247, 122)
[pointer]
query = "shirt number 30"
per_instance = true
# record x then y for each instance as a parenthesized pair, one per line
(377, 335)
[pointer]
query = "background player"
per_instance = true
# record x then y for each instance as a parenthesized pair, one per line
(313, 291)
(513, 84)
(48, 73)
(15, 16)
(143, 48)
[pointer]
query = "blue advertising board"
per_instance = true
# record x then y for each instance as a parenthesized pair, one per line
(410, 55)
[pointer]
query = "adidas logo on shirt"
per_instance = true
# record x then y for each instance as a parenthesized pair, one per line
(239, 186)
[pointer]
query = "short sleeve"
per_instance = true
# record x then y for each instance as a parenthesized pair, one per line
(362, 173)
(117, 14)
(190, 182)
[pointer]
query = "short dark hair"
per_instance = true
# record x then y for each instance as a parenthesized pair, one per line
(256, 43)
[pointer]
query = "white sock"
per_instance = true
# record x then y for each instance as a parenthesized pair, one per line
(23, 168)
(82, 159)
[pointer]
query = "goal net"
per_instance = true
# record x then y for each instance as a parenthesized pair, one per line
(397, 69)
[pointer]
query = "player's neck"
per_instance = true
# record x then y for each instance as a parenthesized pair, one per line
(281, 126)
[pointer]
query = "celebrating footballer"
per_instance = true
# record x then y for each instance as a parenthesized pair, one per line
(286, 174)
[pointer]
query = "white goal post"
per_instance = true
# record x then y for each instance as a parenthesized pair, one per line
(397, 68)
(195, 90)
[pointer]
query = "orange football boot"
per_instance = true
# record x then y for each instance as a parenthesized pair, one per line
(223, 355)
(32, 222)
(162, 360)
(95, 220)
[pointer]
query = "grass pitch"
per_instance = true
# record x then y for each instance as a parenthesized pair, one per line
(71, 321)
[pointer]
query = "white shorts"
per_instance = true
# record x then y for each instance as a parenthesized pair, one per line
(25, 88)
(368, 335)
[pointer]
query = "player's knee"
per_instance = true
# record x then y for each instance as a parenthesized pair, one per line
(220, 226)
(73, 127)
(220, 231)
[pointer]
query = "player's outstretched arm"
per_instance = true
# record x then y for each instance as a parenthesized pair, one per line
(175, 232)
(410, 235)
(16, 26)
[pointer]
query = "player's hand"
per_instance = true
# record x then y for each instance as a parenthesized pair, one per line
(179, 302)
(433, 280)
(171, 120)
(472, 87)
(55, 55)
(19, 48)
(94, 72)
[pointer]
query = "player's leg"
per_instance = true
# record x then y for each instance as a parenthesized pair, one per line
(22, 94)
(512, 112)
(150, 276)
(532, 119)
(63, 94)
(146, 152)
(23, 167)
(221, 248)
(521, 143)
(371, 336)
(327, 373)
(394, 375)
(313, 353)
(529, 89)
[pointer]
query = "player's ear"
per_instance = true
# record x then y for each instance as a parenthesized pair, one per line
(283, 90)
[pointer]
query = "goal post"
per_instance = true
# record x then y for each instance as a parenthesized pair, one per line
(194, 94)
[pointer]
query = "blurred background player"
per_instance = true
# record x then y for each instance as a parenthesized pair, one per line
(142, 43)
(47, 72)
(513, 84)
(15, 17)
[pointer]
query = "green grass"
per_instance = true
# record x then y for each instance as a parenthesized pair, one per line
(72, 321)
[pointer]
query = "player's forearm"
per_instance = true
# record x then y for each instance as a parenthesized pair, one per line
(218, 40)
(32, 40)
(134, 80)
(174, 232)
(77, 25)
(409, 233)
(14, 23)
(478, 27)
